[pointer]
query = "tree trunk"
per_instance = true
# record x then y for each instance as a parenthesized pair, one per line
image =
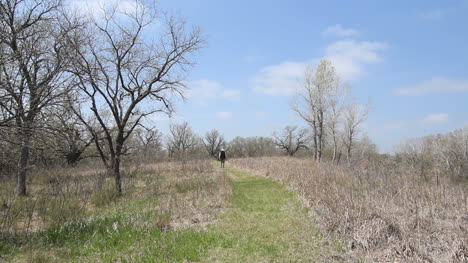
(116, 174)
(335, 147)
(314, 127)
(116, 162)
(339, 158)
(350, 145)
(320, 136)
(319, 147)
(23, 162)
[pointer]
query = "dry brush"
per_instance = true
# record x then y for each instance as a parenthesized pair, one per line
(382, 210)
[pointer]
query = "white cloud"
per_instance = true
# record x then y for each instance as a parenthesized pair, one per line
(339, 31)
(203, 90)
(349, 57)
(433, 14)
(279, 79)
(97, 7)
(159, 117)
(231, 93)
(434, 85)
(436, 118)
(223, 115)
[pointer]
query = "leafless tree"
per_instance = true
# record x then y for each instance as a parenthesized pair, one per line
(292, 139)
(314, 101)
(182, 139)
(125, 75)
(417, 155)
(337, 99)
(451, 152)
(148, 140)
(354, 115)
(236, 147)
(213, 142)
(251, 147)
(64, 134)
(34, 52)
(365, 149)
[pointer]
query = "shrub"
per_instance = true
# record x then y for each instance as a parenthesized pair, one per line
(103, 197)
(57, 210)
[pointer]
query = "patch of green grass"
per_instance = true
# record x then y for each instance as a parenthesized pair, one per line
(266, 223)
(58, 209)
(132, 237)
(103, 197)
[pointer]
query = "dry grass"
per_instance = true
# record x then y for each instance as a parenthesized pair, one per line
(178, 194)
(383, 212)
(193, 192)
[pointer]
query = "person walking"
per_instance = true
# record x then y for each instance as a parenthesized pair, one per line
(222, 157)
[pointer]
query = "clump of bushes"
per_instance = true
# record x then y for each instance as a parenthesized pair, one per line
(103, 197)
(57, 210)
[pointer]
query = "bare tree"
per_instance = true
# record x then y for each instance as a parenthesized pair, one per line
(451, 152)
(291, 139)
(124, 74)
(237, 147)
(354, 115)
(365, 148)
(337, 98)
(149, 140)
(314, 101)
(33, 55)
(213, 142)
(251, 147)
(182, 139)
(65, 134)
(417, 155)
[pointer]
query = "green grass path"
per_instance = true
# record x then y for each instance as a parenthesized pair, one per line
(266, 223)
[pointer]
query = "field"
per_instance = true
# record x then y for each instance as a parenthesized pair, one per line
(274, 209)
(381, 211)
(162, 215)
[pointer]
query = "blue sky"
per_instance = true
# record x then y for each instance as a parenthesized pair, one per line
(409, 57)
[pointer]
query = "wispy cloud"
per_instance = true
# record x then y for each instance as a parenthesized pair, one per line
(339, 31)
(433, 14)
(97, 7)
(203, 90)
(161, 117)
(281, 79)
(223, 115)
(349, 57)
(436, 118)
(434, 85)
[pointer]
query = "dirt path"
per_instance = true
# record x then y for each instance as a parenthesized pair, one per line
(266, 223)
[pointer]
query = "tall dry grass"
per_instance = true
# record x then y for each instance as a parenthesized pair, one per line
(186, 193)
(384, 212)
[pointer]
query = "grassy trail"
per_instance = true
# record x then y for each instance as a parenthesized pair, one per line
(265, 223)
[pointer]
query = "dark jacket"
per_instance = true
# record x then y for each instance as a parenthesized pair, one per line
(222, 155)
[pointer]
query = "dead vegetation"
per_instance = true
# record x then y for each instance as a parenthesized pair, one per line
(383, 211)
(184, 194)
